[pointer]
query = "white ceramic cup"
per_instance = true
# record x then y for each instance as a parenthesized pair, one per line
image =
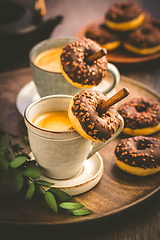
(60, 154)
(51, 83)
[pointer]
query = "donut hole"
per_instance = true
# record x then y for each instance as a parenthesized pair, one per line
(146, 31)
(101, 114)
(86, 55)
(141, 108)
(124, 6)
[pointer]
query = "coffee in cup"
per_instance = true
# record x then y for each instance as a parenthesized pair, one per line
(53, 121)
(60, 154)
(51, 82)
(49, 60)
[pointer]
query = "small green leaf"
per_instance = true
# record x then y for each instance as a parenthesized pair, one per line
(82, 212)
(32, 171)
(25, 140)
(5, 142)
(30, 191)
(60, 195)
(70, 205)
(44, 183)
(17, 183)
(14, 171)
(3, 161)
(50, 199)
(18, 161)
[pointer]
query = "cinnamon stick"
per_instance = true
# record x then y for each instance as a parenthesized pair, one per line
(113, 100)
(99, 54)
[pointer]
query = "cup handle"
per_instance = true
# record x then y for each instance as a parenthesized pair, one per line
(116, 75)
(96, 146)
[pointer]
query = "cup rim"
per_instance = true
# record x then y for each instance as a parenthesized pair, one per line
(42, 129)
(121, 125)
(42, 42)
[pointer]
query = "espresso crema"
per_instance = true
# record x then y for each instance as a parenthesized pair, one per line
(53, 121)
(49, 60)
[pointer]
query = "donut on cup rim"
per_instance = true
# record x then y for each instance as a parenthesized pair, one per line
(138, 155)
(141, 116)
(103, 35)
(85, 119)
(124, 16)
(144, 40)
(75, 68)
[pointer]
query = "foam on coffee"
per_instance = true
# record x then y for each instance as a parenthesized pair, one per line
(53, 121)
(49, 60)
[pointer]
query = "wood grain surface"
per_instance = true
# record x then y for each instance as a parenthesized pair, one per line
(137, 223)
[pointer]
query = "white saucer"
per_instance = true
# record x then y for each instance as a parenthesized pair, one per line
(88, 177)
(28, 94)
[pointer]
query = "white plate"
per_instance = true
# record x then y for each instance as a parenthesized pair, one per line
(28, 94)
(88, 177)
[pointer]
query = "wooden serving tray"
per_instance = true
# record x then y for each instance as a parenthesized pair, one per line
(117, 191)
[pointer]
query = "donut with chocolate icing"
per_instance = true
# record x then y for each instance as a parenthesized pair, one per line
(144, 40)
(141, 116)
(86, 120)
(138, 155)
(103, 35)
(124, 16)
(75, 67)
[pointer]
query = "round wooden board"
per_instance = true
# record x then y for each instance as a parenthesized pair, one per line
(117, 191)
(119, 55)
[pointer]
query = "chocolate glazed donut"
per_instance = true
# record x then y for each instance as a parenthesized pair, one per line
(86, 120)
(103, 35)
(145, 39)
(123, 11)
(124, 16)
(141, 116)
(77, 70)
(138, 155)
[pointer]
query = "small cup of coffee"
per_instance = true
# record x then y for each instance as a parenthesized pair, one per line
(45, 67)
(56, 146)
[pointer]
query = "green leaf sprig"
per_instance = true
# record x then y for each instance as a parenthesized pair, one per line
(23, 169)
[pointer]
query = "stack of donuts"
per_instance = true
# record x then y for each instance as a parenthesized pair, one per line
(127, 24)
